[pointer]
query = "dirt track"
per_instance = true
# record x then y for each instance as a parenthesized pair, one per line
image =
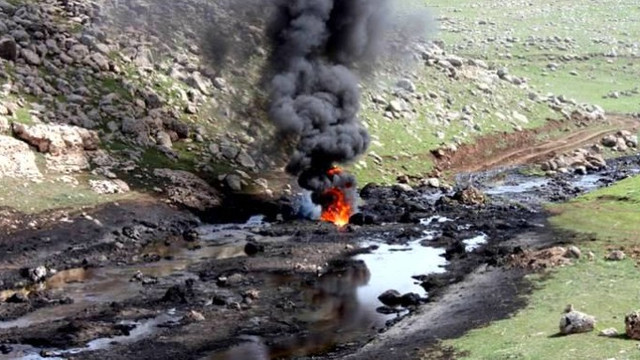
(525, 147)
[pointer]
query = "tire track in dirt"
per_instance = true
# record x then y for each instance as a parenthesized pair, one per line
(524, 148)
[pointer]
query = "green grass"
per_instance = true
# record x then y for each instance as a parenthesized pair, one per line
(32, 197)
(23, 116)
(606, 290)
(405, 144)
(594, 27)
(611, 213)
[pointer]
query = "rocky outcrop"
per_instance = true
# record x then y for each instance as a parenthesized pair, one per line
(189, 190)
(17, 160)
(581, 161)
(65, 146)
(116, 186)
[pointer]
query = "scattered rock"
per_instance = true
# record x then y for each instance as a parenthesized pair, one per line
(470, 196)
(574, 252)
(194, 316)
(616, 255)
(574, 322)
(8, 49)
(407, 85)
(632, 325)
(37, 274)
(188, 189)
(31, 57)
(234, 182)
(390, 298)
(610, 332)
(116, 186)
(402, 188)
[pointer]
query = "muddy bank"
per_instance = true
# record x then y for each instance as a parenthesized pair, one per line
(143, 280)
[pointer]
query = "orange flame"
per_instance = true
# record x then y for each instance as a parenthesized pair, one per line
(339, 211)
(334, 171)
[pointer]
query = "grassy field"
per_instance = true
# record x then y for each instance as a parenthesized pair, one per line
(584, 51)
(405, 143)
(529, 36)
(604, 289)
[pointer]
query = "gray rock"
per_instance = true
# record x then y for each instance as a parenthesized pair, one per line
(455, 61)
(20, 35)
(402, 188)
(390, 298)
(396, 106)
(632, 325)
(164, 139)
(245, 160)
(101, 61)
(109, 186)
(575, 322)
(78, 52)
(196, 81)
(234, 182)
(610, 332)
(574, 252)
(220, 83)
(616, 255)
(8, 49)
(407, 85)
(37, 274)
(229, 150)
(609, 141)
(7, 8)
(189, 190)
(433, 182)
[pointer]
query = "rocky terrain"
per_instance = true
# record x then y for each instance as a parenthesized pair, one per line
(145, 211)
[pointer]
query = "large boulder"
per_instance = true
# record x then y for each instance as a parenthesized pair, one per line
(632, 325)
(574, 322)
(17, 160)
(470, 196)
(189, 190)
(65, 146)
(8, 49)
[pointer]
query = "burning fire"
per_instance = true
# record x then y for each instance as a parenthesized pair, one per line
(338, 210)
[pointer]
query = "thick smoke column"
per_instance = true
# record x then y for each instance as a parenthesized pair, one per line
(314, 94)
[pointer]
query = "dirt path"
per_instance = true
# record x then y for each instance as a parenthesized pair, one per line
(525, 147)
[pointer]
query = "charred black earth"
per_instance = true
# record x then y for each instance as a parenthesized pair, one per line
(145, 280)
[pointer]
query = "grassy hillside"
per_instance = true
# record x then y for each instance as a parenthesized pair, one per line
(586, 50)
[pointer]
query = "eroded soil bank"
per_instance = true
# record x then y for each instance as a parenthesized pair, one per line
(144, 280)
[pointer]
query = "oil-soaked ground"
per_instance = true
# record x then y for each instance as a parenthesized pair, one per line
(146, 281)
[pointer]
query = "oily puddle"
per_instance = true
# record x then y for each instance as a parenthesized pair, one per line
(344, 305)
(86, 286)
(139, 330)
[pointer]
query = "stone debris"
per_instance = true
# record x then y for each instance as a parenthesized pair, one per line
(616, 255)
(609, 332)
(109, 186)
(574, 322)
(632, 325)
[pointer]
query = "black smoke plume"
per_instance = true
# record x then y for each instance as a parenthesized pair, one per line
(314, 94)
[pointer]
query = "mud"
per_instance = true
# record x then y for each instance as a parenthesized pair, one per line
(124, 281)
